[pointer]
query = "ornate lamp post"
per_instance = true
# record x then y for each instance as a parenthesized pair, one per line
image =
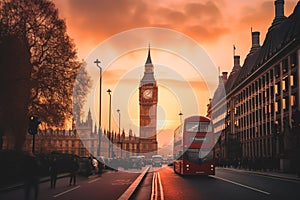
(97, 62)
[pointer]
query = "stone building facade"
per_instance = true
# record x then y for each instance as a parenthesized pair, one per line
(263, 99)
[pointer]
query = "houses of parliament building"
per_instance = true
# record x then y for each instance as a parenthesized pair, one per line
(84, 138)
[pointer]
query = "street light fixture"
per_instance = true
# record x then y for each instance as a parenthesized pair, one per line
(180, 114)
(110, 147)
(97, 62)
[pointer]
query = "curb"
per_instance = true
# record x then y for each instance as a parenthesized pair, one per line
(262, 173)
(129, 192)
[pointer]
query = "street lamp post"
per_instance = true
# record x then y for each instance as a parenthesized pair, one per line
(110, 147)
(180, 114)
(97, 62)
(120, 128)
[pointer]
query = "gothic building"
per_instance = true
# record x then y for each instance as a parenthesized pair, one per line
(263, 99)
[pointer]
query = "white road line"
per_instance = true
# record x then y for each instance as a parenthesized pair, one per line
(160, 188)
(239, 184)
(154, 188)
(70, 190)
(96, 179)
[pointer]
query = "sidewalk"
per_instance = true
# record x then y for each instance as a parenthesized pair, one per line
(20, 184)
(264, 173)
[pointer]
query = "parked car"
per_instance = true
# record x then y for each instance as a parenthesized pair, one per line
(135, 162)
(157, 161)
(85, 166)
(142, 160)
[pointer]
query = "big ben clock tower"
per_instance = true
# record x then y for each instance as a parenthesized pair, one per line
(148, 102)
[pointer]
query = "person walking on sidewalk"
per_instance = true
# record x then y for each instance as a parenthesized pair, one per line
(53, 173)
(73, 171)
(31, 176)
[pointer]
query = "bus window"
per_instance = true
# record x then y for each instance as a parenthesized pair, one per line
(194, 127)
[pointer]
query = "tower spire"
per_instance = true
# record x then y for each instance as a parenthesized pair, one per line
(149, 56)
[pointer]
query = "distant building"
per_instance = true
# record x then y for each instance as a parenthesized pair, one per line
(83, 139)
(263, 99)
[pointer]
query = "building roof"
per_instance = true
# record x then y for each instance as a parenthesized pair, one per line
(276, 39)
(232, 78)
(148, 61)
(148, 77)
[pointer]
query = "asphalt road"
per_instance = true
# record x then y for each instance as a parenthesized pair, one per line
(109, 186)
(226, 184)
(164, 184)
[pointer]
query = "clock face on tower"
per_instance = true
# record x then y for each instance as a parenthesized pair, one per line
(147, 94)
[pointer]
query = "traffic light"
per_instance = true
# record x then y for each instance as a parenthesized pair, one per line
(33, 125)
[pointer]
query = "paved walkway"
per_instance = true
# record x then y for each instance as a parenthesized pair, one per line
(265, 173)
(21, 184)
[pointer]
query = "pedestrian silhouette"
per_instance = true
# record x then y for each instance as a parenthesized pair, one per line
(31, 177)
(73, 171)
(53, 172)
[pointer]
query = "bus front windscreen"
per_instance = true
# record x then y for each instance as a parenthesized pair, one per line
(198, 155)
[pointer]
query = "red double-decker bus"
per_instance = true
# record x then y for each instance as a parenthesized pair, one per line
(193, 147)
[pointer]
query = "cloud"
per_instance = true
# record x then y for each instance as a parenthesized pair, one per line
(258, 15)
(204, 33)
(96, 20)
(205, 11)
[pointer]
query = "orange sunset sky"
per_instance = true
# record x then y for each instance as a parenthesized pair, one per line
(214, 25)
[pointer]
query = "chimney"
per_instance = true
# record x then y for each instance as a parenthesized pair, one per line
(255, 41)
(224, 77)
(236, 61)
(279, 9)
(279, 13)
(236, 66)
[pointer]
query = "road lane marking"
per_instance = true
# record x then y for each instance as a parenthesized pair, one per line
(160, 188)
(239, 184)
(70, 190)
(157, 190)
(154, 187)
(96, 179)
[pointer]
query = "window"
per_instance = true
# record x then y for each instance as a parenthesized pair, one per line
(294, 60)
(292, 83)
(276, 107)
(292, 100)
(276, 88)
(236, 123)
(283, 85)
(198, 127)
(271, 75)
(277, 71)
(283, 103)
(285, 65)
